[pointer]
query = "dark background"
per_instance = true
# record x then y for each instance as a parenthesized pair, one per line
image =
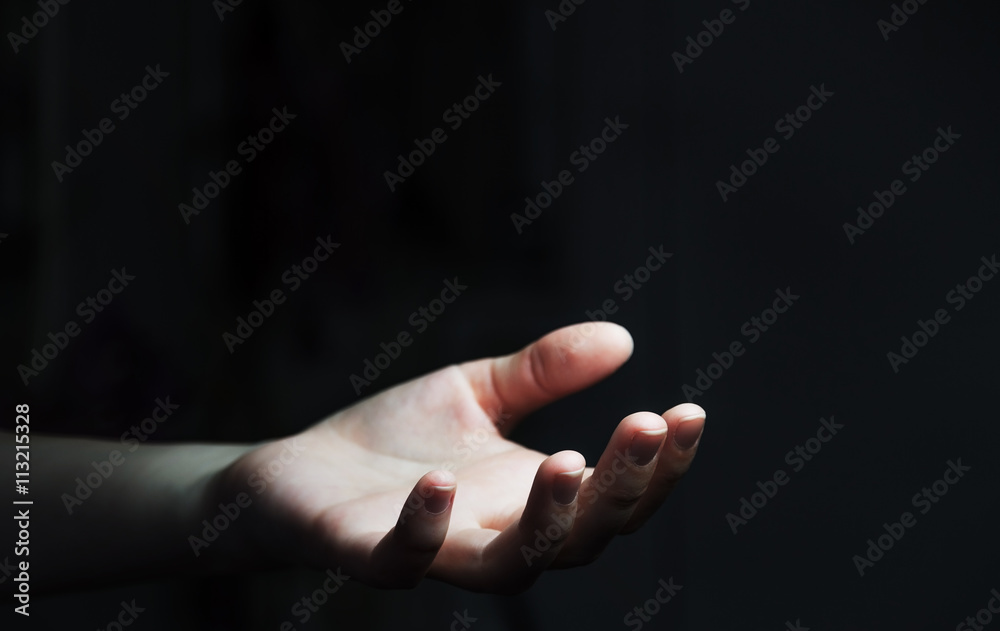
(655, 185)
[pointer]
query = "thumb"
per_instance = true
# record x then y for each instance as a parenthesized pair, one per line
(560, 363)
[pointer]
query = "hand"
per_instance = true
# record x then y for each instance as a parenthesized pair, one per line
(419, 480)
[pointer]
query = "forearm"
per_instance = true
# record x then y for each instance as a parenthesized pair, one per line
(128, 517)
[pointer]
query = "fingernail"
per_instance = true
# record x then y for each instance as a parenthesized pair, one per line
(645, 445)
(689, 431)
(440, 499)
(565, 486)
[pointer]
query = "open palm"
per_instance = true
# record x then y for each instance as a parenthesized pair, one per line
(419, 480)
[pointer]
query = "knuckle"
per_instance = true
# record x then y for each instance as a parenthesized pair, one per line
(559, 539)
(422, 550)
(666, 476)
(622, 499)
(416, 547)
(538, 365)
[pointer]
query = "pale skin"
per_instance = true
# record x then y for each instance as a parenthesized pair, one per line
(417, 481)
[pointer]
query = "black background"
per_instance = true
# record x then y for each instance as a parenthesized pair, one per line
(654, 186)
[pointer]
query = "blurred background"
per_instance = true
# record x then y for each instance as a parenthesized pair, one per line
(693, 108)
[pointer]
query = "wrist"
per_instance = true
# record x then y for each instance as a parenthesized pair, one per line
(218, 523)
